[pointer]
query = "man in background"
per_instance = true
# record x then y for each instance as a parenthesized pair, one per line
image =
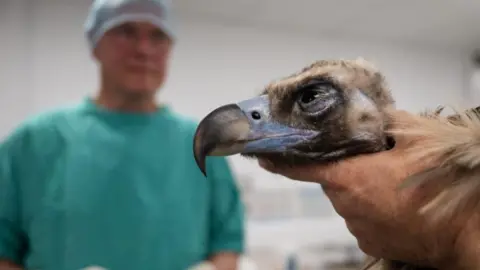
(112, 182)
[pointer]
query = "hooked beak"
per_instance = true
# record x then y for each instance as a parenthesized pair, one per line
(245, 128)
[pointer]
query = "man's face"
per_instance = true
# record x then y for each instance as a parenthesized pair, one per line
(134, 57)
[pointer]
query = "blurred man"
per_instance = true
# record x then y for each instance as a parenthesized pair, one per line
(112, 182)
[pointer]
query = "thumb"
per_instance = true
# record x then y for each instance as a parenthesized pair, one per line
(308, 173)
(413, 134)
(404, 128)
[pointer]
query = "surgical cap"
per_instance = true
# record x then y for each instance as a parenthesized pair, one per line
(107, 14)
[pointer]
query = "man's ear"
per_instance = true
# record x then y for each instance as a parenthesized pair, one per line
(94, 53)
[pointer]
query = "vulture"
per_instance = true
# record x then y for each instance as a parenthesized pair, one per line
(334, 109)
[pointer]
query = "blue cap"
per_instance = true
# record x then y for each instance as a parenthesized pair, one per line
(107, 14)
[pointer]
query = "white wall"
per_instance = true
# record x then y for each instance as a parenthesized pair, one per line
(15, 68)
(212, 63)
(48, 63)
(45, 63)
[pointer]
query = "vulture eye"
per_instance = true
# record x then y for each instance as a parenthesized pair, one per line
(315, 98)
(308, 96)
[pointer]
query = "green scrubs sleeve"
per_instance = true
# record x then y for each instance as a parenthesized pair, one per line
(12, 242)
(227, 212)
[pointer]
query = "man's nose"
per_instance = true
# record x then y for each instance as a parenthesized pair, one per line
(145, 45)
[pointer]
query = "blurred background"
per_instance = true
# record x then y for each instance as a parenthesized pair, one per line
(228, 50)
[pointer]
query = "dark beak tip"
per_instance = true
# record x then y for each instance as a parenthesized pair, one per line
(199, 151)
(207, 132)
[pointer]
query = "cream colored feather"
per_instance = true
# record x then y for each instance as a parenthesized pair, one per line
(452, 144)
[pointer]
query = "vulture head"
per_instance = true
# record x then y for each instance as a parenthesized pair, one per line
(328, 111)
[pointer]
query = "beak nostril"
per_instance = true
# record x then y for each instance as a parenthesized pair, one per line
(256, 115)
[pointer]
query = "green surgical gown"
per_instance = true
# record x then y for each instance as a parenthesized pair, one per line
(83, 186)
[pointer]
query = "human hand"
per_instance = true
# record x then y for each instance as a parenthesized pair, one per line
(386, 221)
(7, 265)
(206, 265)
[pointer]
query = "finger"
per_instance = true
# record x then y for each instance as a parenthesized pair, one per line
(294, 173)
(335, 174)
(332, 176)
(407, 129)
(267, 165)
(402, 119)
(307, 173)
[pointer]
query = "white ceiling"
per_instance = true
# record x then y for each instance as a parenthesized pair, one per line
(439, 22)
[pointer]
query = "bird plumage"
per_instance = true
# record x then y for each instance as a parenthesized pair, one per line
(452, 143)
(334, 109)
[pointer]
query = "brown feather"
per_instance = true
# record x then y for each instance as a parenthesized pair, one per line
(454, 144)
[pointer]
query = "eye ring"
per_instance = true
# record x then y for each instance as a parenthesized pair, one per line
(314, 98)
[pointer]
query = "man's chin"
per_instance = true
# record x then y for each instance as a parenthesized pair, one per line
(141, 84)
(140, 90)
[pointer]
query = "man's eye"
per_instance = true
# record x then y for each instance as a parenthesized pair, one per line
(159, 36)
(126, 31)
